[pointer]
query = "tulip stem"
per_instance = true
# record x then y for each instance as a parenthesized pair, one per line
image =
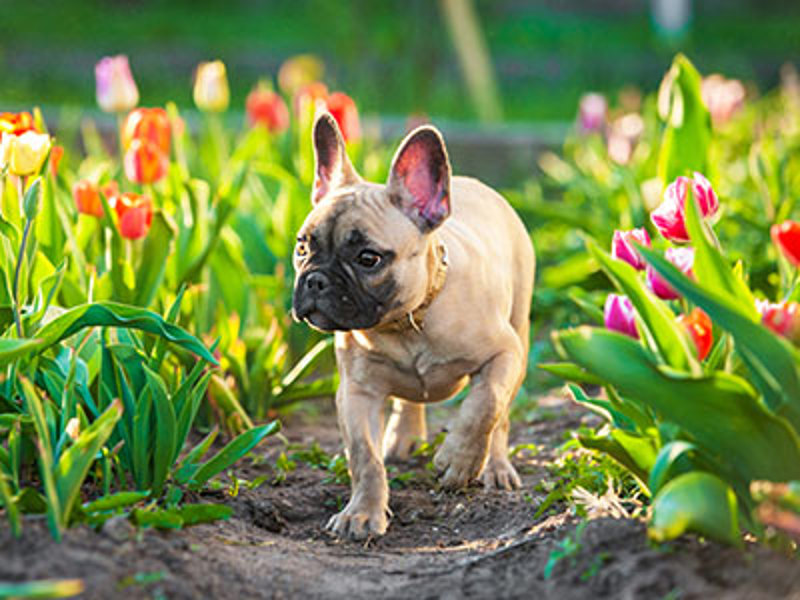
(17, 307)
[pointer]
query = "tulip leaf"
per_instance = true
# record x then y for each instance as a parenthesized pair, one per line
(570, 372)
(659, 321)
(771, 360)
(634, 452)
(112, 314)
(720, 412)
(671, 458)
(698, 502)
(687, 135)
(156, 249)
(12, 349)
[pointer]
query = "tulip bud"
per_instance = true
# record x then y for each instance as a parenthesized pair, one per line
(344, 110)
(698, 326)
(592, 111)
(116, 89)
(87, 198)
(28, 152)
(622, 246)
(135, 214)
(786, 237)
(299, 71)
(151, 124)
(211, 92)
(267, 108)
(683, 258)
(669, 217)
(73, 428)
(145, 162)
(619, 315)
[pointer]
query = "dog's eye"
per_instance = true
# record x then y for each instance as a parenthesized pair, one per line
(369, 259)
(301, 249)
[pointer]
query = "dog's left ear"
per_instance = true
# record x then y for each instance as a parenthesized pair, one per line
(333, 167)
(419, 181)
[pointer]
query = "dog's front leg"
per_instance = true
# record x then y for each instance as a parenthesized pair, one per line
(360, 416)
(465, 449)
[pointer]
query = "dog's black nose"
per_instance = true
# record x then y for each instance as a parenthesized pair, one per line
(316, 281)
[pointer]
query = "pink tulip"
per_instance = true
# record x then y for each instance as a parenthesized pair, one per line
(781, 317)
(683, 258)
(622, 246)
(116, 89)
(592, 112)
(619, 315)
(669, 217)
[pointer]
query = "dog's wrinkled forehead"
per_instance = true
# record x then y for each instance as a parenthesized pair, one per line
(362, 211)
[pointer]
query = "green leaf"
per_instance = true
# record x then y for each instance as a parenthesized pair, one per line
(112, 314)
(10, 505)
(188, 466)
(232, 452)
(156, 250)
(668, 462)
(166, 431)
(115, 501)
(45, 588)
(32, 197)
(662, 330)
(720, 411)
(160, 519)
(570, 372)
(12, 349)
(687, 136)
(698, 502)
(771, 360)
(634, 452)
(194, 514)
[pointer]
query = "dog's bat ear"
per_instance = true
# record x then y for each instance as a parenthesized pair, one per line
(333, 166)
(419, 181)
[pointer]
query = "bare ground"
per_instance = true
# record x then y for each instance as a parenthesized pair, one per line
(473, 544)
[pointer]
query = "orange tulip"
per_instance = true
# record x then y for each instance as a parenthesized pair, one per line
(698, 325)
(16, 123)
(56, 154)
(308, 96)
(344, 110)
(135, 214)
(151, 124)
(87, 198)
(267, 108)
(145, 162)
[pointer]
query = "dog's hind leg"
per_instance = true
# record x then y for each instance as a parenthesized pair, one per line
(405, 430)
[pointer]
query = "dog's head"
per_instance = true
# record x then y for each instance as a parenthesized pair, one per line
(363, 254)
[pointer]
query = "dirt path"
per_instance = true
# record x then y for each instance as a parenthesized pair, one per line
(472, 544)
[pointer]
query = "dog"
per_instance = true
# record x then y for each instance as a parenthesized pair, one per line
(427, 283)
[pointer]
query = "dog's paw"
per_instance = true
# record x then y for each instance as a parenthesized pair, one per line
(354, 523)
(458, 463)
(500, 474)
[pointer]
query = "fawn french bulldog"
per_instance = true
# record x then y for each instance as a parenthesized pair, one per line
(427, 283)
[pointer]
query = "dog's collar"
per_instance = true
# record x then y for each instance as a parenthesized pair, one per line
(416, 318)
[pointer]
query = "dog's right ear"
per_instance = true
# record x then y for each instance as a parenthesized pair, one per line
(333, 167)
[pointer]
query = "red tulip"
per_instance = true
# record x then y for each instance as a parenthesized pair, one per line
(145, 162)
(787, 238)
(622, 246)
(669, 217)
(683, 258)
(619, 314)
(16, 123)
(344, 110)
(135, 214)
(783, 318)
(698, 325)
(87, 198)
(266, 107)
(149, 124)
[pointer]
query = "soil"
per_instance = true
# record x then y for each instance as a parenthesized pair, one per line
(475, 543)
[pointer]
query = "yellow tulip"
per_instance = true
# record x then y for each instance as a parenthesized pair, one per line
(211, 87)
(28, 152)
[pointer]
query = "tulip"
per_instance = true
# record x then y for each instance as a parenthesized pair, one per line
(27, 152)
(16, 123)
(151, 124)
(265, 107)
(683, 258)
(73, 428)
(299, 71)
(343, 109)
(135, 214)
(722, 97)
(782, 318)
(669, 217)
(56, 154)
(623, 135)
(308, 97)
(619, 315)
(116, 89)
(145, 162)
(87, 198)
(698, 325)
(211, 92)
(592, 110)
(110, 189)
(787, 238)
(622, 246)
(6, 143)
